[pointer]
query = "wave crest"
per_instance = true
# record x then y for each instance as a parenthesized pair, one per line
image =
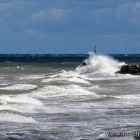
(99, 64)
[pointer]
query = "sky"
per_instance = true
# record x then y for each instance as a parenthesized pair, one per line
(69, 26)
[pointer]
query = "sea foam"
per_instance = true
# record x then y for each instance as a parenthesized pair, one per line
(19, 87)
(99, 64)
(10, 117)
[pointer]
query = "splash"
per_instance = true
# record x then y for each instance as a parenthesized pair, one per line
(10, 117)
(99, 64)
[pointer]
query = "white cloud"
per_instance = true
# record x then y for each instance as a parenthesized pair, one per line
(138, 4)
(22, 21)
(34, 33)
(51, 14)
(30, 31)
(128, 11)
(102, 15)
(13, 6)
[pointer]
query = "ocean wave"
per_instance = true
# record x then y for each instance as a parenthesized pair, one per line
(99, 64)
(21, 87)
(23, 98)
(10, 117)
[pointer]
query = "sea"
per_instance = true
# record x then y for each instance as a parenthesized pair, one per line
(55, 97)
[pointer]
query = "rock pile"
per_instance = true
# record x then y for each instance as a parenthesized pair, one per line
(127, 69)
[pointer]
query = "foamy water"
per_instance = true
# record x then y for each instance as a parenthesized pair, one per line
(19, 87)
(75, 103)
(100, 64)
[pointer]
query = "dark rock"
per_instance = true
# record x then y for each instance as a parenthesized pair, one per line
(84, 64)
(127, 69)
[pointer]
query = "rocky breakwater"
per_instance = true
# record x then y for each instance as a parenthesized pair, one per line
(127, 69)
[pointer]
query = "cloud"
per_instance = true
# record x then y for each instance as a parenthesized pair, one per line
(51, 14)
(129, 12)
(30, 31)
(138, 4)
(68, 23)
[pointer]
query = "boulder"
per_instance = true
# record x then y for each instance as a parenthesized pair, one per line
(84, 64)
(127, 69)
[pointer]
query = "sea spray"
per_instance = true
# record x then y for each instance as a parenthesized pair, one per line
(65, 107)
(99, 64)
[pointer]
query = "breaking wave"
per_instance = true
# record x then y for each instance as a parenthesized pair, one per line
(10, 117)
(19, 87)
(99, 64)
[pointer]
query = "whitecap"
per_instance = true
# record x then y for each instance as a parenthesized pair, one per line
(24, 98)
(69, 76)
(129, 97)
(19, 87)
(18, 108)
(3, 84)
(69, 90)
(78, 80)
(10, 117)
(69, 80)
(31, 77)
